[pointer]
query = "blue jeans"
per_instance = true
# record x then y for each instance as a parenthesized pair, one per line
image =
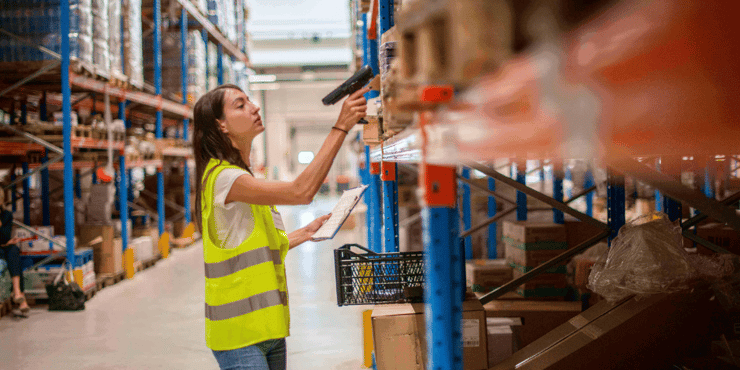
(12, 255)
(253, 358)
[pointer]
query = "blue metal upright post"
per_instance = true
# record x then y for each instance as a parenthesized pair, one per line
(557, 190)
(45, 191)
(615, 202)
(443, 258)
(588, 181)
(158, 62)
(658, 194)
(69, 214)
(220, 64)
(24, 112)
(158, 87)
(123, 199)
(467, 219)
(160, 199)
(492, 228)
(569, 177)
(204, 34)
(42, 108)
(78, 185)
(521, 198)
(185, 122)
(122, 111)
(376, 241)
(390, 205)
(542, 172)
(369, 55)
(385, 16)
(26, 195)
(183, 55)
(372, 50)
(367, 180)
(709, 176)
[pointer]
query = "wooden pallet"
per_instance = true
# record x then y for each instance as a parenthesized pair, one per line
(119, 80)
(181, 242)
(102, 134)
(454, 41)
(106, 280)
(51, 132)
(145, 264)
(90, 293)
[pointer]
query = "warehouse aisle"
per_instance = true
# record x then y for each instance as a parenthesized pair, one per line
(155, 321)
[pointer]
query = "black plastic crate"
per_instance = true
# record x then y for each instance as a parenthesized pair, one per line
(378, 278)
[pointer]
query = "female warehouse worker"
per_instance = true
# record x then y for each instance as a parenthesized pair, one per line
(244, 240)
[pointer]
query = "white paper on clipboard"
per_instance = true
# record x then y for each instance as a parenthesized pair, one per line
(339, 214)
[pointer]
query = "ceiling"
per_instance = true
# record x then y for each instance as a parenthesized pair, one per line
(299, 33)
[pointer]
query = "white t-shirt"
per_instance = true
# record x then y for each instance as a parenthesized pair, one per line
(234, 221)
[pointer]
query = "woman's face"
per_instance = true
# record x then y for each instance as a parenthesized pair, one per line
(241, 120)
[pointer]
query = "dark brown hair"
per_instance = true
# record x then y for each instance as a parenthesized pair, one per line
(210, 142)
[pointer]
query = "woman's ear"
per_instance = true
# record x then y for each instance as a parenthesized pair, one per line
(222, 126)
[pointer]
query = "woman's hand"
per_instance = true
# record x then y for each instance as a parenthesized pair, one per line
(13, 241)
(314, 226)
(353, 108)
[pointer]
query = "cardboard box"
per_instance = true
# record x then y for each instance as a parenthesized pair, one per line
(107, 254)
(503, 338)
(399, 336)
(407, 196)
(538, 317)
(532, 232)
(530, 259)
(647, 333)
(487, 273)
(723, 236)
(543, 286)
(578, 232)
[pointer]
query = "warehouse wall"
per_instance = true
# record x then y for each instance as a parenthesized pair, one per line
(296, 107)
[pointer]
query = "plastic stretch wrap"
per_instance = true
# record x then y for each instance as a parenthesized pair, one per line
(132, 39)
(101, 36)
(114, 33)
(39, 23)
(196, 66)
(647, 257)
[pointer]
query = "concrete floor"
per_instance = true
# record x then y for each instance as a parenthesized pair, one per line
(155, 320)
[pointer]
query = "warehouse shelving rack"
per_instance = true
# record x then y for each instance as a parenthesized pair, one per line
(621, 37)
(59, 74)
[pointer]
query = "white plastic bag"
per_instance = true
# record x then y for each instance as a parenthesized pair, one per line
(647, 257)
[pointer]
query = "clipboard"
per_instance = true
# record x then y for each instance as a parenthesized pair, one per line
(339, 214)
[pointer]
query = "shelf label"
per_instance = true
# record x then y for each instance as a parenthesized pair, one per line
(471, 332)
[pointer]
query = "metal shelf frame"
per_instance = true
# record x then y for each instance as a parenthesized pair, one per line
(447, 244)
(69, 80)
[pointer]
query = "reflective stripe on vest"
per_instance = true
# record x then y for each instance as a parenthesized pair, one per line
(246, 305)
(242, 261)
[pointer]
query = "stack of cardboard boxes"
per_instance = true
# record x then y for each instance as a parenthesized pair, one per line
(399, 336)
(485, 275)
(108, 254)
(530, 244)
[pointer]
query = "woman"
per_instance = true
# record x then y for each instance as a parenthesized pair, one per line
(244, 239)
(10, 252)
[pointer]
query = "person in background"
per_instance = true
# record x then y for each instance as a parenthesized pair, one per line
(10, 252)
(244, 239)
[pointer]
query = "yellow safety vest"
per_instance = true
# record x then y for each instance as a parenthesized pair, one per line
(246, 291)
